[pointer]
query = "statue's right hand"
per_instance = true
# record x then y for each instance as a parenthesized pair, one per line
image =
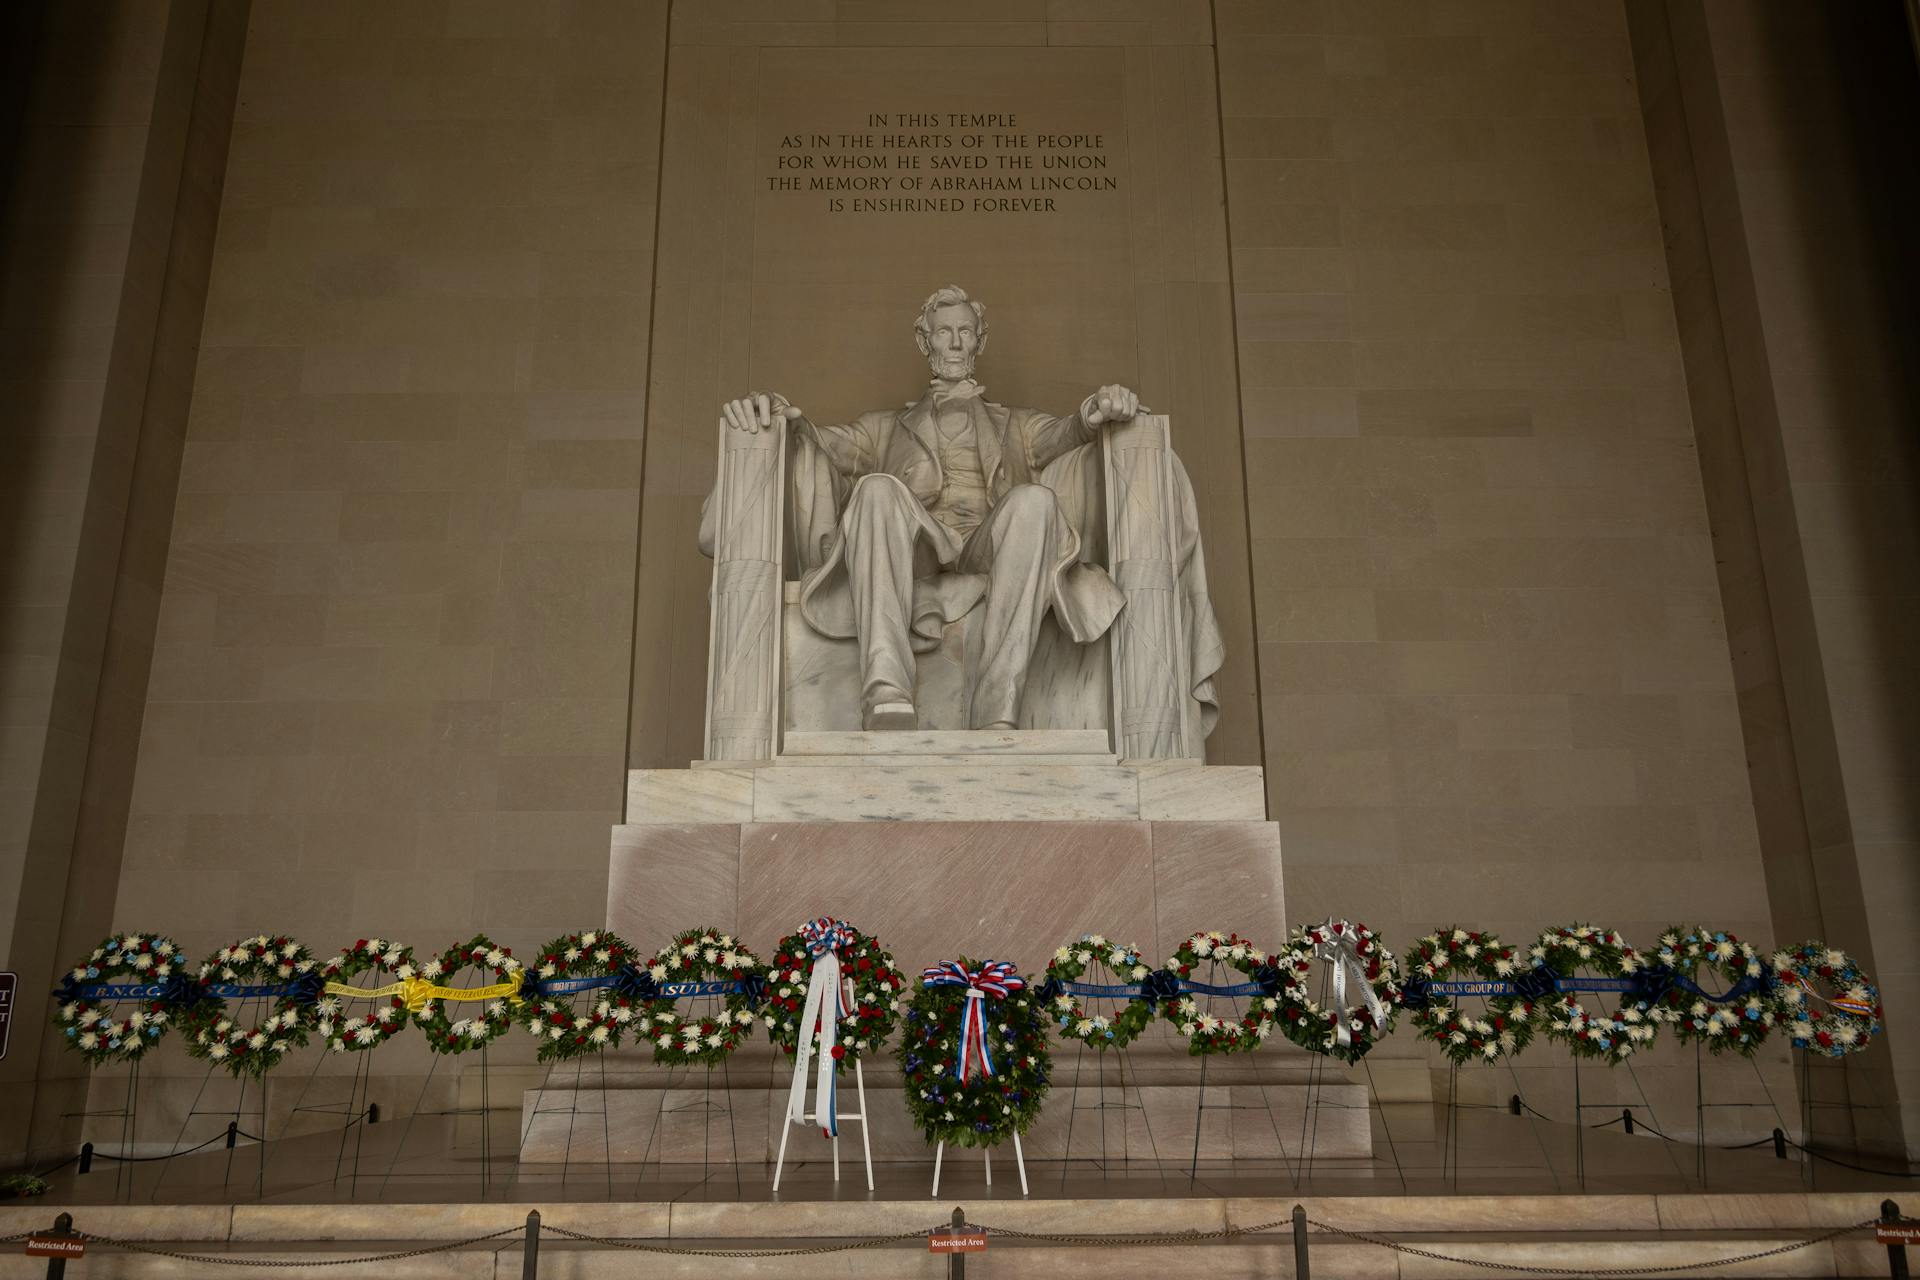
(758, 412)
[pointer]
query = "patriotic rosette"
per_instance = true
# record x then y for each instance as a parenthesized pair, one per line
(1129, 1009)
(140, 971)
(347, 1029)
(1741, 1017)
(1230, 1017)
(1461, 957)
(575, 1002)
(1836, 1025)
(974, 1054)
(1362, 985)
(807, 1013)
(700, 964)
(274, 970)
(502, 979)
(1573, 959)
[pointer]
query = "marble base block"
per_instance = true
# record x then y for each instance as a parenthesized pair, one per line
(934, 890)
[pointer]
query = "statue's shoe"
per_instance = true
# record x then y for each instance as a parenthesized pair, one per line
(883, 716)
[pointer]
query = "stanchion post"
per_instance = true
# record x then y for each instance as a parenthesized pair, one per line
(57, 1267)
(1301, 1263)
(530, 1257)
(86, 1157)
(233, 1134)
(1896, 1253)
(956, 1261)
(1513, 1105)
(1779, 1143)
(1626, 1118)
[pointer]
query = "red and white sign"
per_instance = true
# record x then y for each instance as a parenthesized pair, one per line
(1901, 1232)
(56, 1247)
(957, 1242)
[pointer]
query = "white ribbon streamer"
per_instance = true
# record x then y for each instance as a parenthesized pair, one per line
(822, 1010)
(1341, 949)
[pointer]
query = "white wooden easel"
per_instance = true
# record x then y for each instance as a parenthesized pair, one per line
(812, 1118)
(986, 1153)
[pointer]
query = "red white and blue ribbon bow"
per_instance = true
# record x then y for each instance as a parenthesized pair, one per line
(995, 978)
(819, 1025)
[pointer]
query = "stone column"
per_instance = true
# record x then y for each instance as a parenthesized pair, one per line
(1152, 713)
(743, 649)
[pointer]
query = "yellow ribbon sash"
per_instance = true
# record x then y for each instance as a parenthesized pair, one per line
(415, 992)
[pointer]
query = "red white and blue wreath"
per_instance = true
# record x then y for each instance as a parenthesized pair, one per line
(1363, 989)
(1740, 1018)
(1837, 1025)
(579, 1001)
(347, 1030)
(1120, 980)
(1451, 963)
(974, 1054)
(1574, 955)
(816, 969)
(1206, 1028)
(139, 970)
(497, 999)
(701, 963)
(273, 969)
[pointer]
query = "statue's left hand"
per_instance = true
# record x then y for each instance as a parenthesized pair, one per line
(1111, 404)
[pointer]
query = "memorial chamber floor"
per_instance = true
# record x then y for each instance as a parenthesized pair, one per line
(1510, 1189)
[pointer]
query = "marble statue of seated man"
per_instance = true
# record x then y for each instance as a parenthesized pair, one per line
(904, 520)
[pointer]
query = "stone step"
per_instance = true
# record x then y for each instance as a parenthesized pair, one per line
(905, 790)
(1516, 1233)
(951, 742)
(938, 761)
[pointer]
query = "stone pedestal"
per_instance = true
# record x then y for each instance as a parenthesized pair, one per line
(991, 844)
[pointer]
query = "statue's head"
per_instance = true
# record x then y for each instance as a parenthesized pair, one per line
(951, 332)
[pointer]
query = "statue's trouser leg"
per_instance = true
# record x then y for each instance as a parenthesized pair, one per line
(879, 526)
(1017, 548)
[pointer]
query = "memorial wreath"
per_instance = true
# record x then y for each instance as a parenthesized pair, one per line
(1130, 987)
(1205, 1031)
(1560, 957)
(1504, 1028)
(974, 1054)
(1741, 1017)
(1358, 966)
(581, 998)
(499, 998)
(346, 1031)
(86, 1006)
(876, 980)
(1849, 1020)
(700, 963)
(276, 970)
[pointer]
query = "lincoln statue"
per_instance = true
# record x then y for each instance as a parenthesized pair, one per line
(906, 519)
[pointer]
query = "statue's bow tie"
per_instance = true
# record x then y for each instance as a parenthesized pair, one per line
(966, 389)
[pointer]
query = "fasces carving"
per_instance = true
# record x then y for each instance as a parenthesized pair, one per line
(905, 521)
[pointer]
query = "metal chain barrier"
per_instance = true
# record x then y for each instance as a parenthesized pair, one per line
(1535, 1269)
(626, 1242)
(216, 1259)
(869, 1242)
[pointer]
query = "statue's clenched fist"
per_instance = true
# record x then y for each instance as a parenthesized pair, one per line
(758, 412)
(1112, 404)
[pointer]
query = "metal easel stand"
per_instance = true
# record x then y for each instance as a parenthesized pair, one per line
(986, 1154)
(572, 1112)
(811, 1119)
(129, 1129)
(1120, 1057)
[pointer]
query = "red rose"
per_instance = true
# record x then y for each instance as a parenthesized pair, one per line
(839, 1052)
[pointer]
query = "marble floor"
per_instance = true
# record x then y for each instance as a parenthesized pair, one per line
(438, 1160)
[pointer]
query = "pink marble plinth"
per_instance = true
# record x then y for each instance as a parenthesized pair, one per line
(934, 890)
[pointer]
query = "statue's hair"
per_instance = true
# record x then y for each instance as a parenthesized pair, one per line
(947, 296)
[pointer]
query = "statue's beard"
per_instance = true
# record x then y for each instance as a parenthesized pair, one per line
(950, 368)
